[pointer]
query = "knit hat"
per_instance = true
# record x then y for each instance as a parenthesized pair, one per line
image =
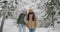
(30, 9)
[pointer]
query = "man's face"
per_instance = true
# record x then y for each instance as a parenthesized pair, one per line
(25, 12)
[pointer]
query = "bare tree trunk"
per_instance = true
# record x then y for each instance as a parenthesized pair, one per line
(52, 21)
(2, 23)
(0, 14)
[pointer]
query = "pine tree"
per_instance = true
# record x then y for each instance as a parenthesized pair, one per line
(51, 10)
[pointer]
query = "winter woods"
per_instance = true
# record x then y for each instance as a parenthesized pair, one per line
(47, 11)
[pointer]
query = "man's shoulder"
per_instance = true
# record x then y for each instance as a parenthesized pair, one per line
(21, 13)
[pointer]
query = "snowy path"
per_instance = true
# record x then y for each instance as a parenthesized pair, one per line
(11, 26)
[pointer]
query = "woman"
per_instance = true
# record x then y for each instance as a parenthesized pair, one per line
(32, 21)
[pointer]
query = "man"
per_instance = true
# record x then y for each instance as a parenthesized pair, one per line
(32, 21)
(21, 22)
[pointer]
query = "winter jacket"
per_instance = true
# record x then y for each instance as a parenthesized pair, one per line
(21, 19)
(32, 24)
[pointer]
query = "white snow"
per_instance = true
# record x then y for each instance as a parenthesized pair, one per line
(10, 25)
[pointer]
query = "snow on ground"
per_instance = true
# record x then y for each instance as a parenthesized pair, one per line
(11, 26)
(57, 25)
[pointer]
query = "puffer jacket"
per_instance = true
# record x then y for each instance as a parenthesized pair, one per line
(32, 24)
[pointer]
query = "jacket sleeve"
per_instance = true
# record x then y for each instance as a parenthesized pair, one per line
(25, 19)
(35, 21)
(19, 18)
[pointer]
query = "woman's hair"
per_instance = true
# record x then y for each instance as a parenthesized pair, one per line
(33, 17)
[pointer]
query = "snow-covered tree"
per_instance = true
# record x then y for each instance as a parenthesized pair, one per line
(6, 11)
(52, 7)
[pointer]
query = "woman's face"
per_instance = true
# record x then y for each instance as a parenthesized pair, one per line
(30, 11)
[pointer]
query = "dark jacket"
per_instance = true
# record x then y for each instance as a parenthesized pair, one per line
(21, 19)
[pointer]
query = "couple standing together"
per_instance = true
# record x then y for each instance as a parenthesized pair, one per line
(27, 20)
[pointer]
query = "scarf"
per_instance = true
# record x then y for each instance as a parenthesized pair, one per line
(33, 17)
